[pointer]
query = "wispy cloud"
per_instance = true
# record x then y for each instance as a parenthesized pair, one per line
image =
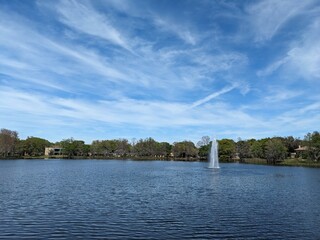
(273, 67)
(303, 57)
(267, 17)
(281, 95)
(74, 63)
(180, 31)
(83, 18)
(164, 21)
(126, 111)
(41, 56)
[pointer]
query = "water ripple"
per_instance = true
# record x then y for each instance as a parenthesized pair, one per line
(156, 200)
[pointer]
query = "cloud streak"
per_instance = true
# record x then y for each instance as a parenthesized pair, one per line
(212, 96)
(267, 17)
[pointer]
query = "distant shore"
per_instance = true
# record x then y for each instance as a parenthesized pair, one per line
(148, 158)
(257, 161)
(289, 162)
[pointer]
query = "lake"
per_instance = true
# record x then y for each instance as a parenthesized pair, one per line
(115, 199)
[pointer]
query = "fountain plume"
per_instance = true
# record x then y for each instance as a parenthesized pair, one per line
(213, 156)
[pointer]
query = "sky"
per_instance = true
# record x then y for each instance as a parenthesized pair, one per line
(170, 70)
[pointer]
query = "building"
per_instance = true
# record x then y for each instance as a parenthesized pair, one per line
(300, 151)
(52, 151)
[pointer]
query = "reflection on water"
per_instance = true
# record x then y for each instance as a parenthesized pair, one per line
(156, 200)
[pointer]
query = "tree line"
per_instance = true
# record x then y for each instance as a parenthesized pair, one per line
(272, 150)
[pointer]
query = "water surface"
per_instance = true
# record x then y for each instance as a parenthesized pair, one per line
(69, 199)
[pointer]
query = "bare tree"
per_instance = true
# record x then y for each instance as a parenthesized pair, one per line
(8, 141)
(205, 140)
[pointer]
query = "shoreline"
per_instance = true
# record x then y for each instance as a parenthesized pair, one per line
(289, 162)
(285, 163)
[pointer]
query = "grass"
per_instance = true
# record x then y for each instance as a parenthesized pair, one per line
(293, 162)
(299, 163)
(255, 161)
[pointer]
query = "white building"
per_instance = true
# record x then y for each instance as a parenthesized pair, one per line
(49, 151)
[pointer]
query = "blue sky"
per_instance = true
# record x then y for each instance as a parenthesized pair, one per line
(171, 70)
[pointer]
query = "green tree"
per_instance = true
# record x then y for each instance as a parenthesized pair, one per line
(257, 148)
(164, 149)
(204, 151)
(96, 148)
(119, 147)
(146, 147)
(184, 149)
(72, 148)
(243, 149)
(110, 147)
(275, 151)
(226, 149)
(312, 141)
(104, 147)
(291, 143)
(20, 148)
(86, 150)
(122, 147)
(204, 146)
(34, 146)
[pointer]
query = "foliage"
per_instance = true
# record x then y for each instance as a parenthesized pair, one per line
(312, 141)
(86, 150)
(257, 149)
(71, 147)
(226, 149)
(104, 147)
(184, 149)
(33, 146)
(204, 146)
(115, 147)
(122, 147)
(164, 149)
(8, 142)
(146, 147)
(275, 151)
(204, 151)
(291, 143)
(243, 149)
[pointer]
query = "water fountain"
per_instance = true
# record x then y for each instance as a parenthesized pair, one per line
(213, 157)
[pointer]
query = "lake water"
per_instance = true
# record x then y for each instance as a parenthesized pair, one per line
(113, 199)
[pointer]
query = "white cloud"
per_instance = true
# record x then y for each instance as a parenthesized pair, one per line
(221, 118)
(165, 22)
(303, 58)
(281, 95)
(30, 56)
(180, 30)
(155, 114)
(85, 19)
(13, 63)
(273, 67)
(220, 62)
(267, 17)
